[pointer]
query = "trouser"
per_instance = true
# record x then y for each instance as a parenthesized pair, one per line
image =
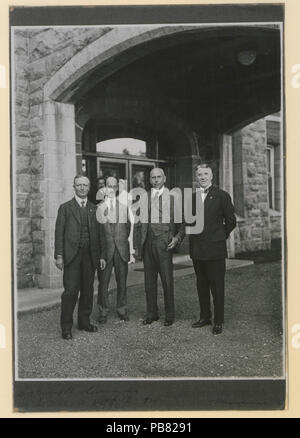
(78, 277)
(157, 260)
(210, 276)
(121, 271)
(100, 280)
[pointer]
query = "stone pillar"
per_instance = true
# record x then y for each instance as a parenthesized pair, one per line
(58, 151)
(249, 149)
(226, 179)
(185, 166)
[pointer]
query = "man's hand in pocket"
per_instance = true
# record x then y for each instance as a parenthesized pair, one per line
(173, 243)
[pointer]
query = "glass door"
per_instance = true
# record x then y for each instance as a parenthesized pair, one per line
(139, 174)
(112, 167)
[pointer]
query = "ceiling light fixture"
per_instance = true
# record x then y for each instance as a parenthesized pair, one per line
(247, 57)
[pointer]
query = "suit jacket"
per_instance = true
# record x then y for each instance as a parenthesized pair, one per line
(116, 234)
(67, 232)
(172, 229)
(219, 221)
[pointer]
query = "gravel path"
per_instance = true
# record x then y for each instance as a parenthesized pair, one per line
(250, 346)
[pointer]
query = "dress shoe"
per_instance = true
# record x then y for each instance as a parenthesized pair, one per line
(149, 320)
(217, 329)
(168, 322)
(201, 323)
(89, 328)
(66, 334)
(124, 317)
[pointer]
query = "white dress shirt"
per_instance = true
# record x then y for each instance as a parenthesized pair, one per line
(111, 204)
(80, 200)
(155, 192)
(203, 191)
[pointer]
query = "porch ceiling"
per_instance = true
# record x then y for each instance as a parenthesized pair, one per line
(196, 76)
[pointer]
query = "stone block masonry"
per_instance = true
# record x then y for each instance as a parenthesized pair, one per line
(38, 54)
(250, 174)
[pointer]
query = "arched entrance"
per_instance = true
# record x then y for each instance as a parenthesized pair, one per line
(177, 88)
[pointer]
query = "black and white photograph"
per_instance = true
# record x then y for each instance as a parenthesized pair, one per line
(112, 126)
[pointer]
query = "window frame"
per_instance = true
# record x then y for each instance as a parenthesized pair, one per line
(271, 174)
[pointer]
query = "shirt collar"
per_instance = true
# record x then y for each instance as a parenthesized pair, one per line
(79, 200)
(155, 191)
(206, 189)
(108, 199)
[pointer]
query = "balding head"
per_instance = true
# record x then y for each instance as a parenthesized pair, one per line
(157, 178)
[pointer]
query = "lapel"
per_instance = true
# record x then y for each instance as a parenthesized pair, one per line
(115, 225)
(208, 201)
(75, 209)
(109, 226)
(106, 223)
(149, 202)
(117, 210)
(90, 212)
(210, 198)
(169, 205)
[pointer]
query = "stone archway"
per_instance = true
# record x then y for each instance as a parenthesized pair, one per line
(59, 126)
(62, 85)
(105, 55)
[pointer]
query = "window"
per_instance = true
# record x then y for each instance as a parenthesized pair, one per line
(271, 175)
(123, 146)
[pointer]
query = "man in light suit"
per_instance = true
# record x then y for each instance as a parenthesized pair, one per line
(117, 225)
(208, 248)
(158, 239)
(79, 249)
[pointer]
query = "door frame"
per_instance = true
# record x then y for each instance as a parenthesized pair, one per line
(112, 160)
(151, 164)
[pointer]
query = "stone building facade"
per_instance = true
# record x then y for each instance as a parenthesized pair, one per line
(73, 87)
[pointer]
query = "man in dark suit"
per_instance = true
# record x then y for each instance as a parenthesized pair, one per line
(208, 248)
(159, 238)
(79, 248)
(117, 224)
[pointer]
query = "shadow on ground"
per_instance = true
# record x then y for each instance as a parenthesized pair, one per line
(250, 346)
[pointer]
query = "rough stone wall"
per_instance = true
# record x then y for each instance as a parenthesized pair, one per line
(38, 54)
(23, 161)
(253, 230)
(276, 231)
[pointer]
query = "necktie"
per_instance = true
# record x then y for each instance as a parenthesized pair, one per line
(156, 196)
(82, 203)
(112, 218)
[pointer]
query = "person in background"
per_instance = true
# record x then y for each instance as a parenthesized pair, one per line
(125, 198)
(100, 197)
(101, 190)
(117, 227)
